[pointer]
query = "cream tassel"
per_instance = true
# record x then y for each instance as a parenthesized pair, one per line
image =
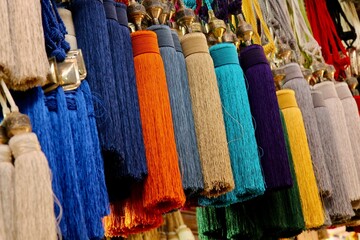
(34, 203)
(28, 44)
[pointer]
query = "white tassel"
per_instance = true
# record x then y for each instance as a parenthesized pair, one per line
(7, 198)
(34, 204)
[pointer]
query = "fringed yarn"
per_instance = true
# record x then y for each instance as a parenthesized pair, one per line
(92, 37)
(211, 222)
(208, 119)
(341, 137)
(162, 188)
(265, 111)
(338, 204)
(28, 46)
(7, 61)
(7, 193)
(34, 203)
(294, 80)
(240, 132)
(181, 112)
(309, 195)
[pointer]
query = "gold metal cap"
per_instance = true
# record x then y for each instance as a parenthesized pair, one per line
(244, 30)
(184, 18)
(154, 8)
(136, 13)
(217, 26)
(16, 123)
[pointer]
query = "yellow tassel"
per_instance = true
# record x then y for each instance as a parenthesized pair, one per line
(309, 194)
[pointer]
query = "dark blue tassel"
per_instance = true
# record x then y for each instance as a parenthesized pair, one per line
(185, 137)
(92, 37)
(74, 214)
(132, 144)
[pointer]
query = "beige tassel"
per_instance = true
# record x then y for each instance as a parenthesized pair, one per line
(7, 197)
(183, 232)
(171, 234)
(208, 118)
(28, 44)
(34, 202)
(6, 54)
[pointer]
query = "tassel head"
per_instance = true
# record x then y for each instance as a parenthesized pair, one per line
(244, 30)
(329, 71)
(279, 76)
(217, 26)
(136, 13)
(154, 8)
(16, 123)
(318, 71)
(185, 18)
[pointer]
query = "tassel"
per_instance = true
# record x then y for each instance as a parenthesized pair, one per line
(195, 176)
(294, 80)
(32, 181)
(279, 212)
(7, 197)
(131, 143)
(352, 119)
(240, 132)
(7, 62)
(130, 217)
(183, 232)
(310, 199)
(265, 110)
(211, 222)
(162, 188)
(92, 37)
(170, 223)
(86, 96)
(338, 204)
(357, 99)
(184, 129)
(27, 42)
(341, 136)
(240, 223)
(209, 123)
(84, 159)
(73, 222)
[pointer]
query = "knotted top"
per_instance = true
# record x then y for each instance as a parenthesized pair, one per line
(252, 55)
(66, 17)
(176, 41)
(164, 36)
(24, 143)
(224, 54)
(144, 42)
(194, 43)
(343, 90)
(121, 14)
(110, 10)
(5, 153)
(286, 99)
(292, 71)
(317, 98)
(327, 89)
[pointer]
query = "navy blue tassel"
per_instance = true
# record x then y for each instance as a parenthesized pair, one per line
(74, 214)
(92, 37)
(182, 117)
(132, 143)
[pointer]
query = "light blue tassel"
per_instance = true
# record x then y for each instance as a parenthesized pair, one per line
(240, 132)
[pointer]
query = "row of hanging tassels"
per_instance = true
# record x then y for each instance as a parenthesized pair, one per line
(169, 122)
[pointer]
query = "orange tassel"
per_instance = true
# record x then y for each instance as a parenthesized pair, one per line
(163, 187)
(130, 217)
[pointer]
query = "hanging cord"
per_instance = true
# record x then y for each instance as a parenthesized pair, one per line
(221, 9)
(350, 9)
(325, 33)
(338, 15)
(280, 15)
(306, 41)
(54, 31)
(248, 8)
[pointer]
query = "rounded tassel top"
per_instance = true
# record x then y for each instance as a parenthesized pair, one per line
(224, 54)
(164, 36)
(194, 43)
(139, 37)
(292, 71)
(327, 89)
(286, 98)
(121, 14)
(251, 56)
(342, 90)
(176, 40)
(317, 98)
